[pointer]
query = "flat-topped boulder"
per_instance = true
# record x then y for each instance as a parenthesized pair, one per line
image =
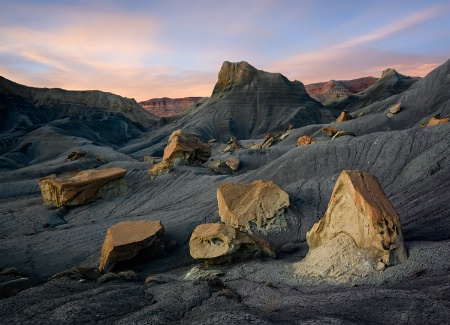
(125, 240)
(186, 146)
(258, 206)
(219, 243)
(81, 187)
(359, 233)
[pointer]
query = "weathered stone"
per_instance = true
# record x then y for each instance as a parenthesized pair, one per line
(268, 141)
(219, 166)
(342, 133)
(101, 158)
(329, 130)
(219, 243)
(344, 116)
(435, 120)
(361, 114)
(257, 206)
(359, 229)
(233, 163)
(81, 187)
(125, 240)
(186, 146)
(304, 140)
(161, 168)
(394, 109)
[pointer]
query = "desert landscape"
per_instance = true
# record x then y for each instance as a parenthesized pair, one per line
(256, 205)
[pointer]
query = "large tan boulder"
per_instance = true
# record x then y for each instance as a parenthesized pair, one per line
(81, 187)
(359, 233)
(186, 146)
(125, 240)
(219, 243)
(258, 206)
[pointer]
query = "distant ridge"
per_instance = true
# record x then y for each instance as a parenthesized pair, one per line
(324, 91)
(166, 106)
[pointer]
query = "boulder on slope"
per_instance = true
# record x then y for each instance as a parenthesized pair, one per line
(81, 187)
(359, 233)
(125, 240)
(219, 243)
(258, 206)
(187, 146)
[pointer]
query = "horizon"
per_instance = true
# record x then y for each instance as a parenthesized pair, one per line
(153, 50)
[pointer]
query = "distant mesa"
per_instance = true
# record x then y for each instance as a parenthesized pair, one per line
(166, 106)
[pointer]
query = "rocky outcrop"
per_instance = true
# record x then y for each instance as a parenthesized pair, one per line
(219, 243)
(249, 103)
(186, 146)
(182, 146)
(258, 206)
(359, 233)
(165, 106)
(127, 239)
(81, 187)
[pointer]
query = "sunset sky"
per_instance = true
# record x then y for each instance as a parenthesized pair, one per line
(147, 49)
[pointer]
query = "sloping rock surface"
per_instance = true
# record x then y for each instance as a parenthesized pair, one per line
(82, 186)
(126, 239)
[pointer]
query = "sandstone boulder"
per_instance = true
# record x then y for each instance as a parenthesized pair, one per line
(125, 240)
(359, 230)
(186, 146)
(219, 243)
(81, 187)
(344, 116)
(258, 206)
(304, 140)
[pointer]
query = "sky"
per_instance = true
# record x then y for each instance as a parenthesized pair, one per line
(168, 48)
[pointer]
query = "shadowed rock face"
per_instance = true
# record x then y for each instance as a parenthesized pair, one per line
(257, 206)
(125, 240)
(82, 187)
(219, 243)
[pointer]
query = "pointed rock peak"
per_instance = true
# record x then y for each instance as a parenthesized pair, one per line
(389, 72)
(234, 73)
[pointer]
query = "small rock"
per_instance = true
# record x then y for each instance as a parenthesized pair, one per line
(343, 133)
(233, 163)
(380, 266)
(304, 140)
(394, 109)
(344, 116)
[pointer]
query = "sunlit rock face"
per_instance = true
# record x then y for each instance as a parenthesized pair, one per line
(81, 187)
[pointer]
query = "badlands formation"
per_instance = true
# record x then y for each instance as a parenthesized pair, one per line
(258, 204)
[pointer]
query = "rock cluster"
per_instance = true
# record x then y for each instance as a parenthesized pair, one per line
(125, 240)
(258, 206)
(181, 145)
(81, 187)
(359, 233)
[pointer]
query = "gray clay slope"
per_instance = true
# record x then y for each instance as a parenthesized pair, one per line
(410, 162)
